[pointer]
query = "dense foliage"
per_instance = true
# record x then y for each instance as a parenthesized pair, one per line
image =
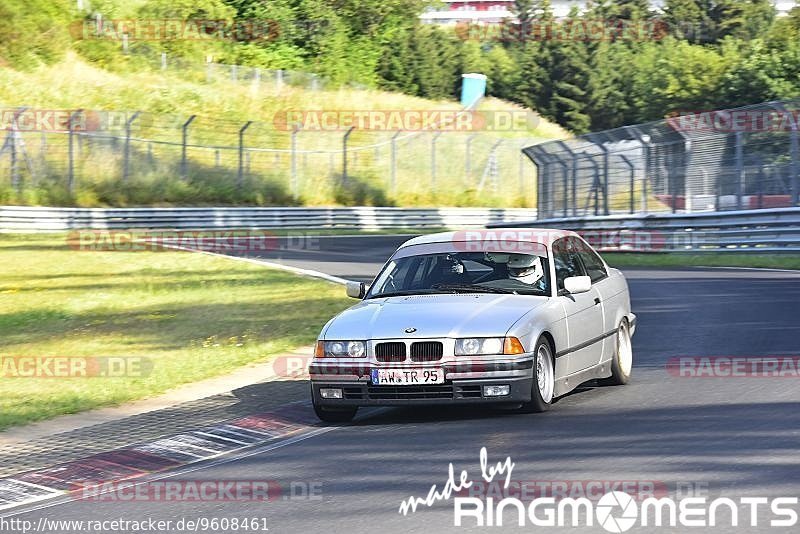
(696, 54)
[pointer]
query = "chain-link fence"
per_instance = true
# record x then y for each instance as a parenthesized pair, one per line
(69, 157)
(743, 158)
(269, 81)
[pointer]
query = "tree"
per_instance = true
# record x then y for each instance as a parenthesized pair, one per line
(33, 31)
(713, 20)
(437, 61)
(610, 88)
(569, 75)
(744, 19)
(533, 55)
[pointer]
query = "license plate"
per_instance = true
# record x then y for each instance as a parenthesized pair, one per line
(386, 377)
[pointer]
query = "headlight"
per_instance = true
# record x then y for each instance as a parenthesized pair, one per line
(478, 346)
(473, 346)
(341, 349)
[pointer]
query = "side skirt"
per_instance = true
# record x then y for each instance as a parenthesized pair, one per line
(568, 383)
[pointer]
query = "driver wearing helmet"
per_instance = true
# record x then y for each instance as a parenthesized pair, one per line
(525, 268)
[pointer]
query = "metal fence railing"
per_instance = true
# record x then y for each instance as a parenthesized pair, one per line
(743, 158)
(765, 231)
(75, 151)
(46, 219)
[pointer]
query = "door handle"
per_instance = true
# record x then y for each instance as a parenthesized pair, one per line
(596, 301)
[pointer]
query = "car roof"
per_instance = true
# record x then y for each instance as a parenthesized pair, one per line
(544, 236)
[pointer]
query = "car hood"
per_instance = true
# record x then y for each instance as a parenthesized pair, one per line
(482, 315)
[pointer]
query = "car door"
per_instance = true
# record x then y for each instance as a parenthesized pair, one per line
(584, 315)
(596, 270)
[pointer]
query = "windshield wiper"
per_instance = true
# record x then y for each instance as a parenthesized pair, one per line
(405, 293)
(470, 288)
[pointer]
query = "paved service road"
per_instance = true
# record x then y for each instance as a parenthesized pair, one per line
(729, 437)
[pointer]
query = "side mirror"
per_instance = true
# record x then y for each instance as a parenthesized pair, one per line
(577, 284)
(357, 290)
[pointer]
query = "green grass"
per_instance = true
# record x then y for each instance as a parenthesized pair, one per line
(711, 259)
(193, 316)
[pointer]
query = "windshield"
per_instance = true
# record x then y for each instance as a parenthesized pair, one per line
(463, 272)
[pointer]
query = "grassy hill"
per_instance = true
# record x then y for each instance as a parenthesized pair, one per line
(168, 98)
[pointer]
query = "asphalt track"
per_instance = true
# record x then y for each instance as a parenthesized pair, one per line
(721, 437)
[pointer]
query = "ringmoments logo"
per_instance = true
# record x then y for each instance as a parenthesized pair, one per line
(615, 511)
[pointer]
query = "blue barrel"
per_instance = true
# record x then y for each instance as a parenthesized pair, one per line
(473, 88)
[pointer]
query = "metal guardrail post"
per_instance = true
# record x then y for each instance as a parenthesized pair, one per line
(740, 174)
(632, 167)
(539, 159)
(393, 163)
(71, 152)
(240, 174)
(672, 184)
(344, 155)
(595, 190)
(433, 161)
(646, 143)
(127, 154)
(606, 170)
(13, 130)
(468, 159)
(295, 189)
(574, 179)
(184, 137)
(521, 170)
(794, 151)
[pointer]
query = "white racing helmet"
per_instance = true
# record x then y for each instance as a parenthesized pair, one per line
(525, 268)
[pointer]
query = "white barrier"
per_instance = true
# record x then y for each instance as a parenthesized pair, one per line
(43, 219)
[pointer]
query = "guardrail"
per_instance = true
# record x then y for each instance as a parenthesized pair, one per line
(43, 219)
(766, 231)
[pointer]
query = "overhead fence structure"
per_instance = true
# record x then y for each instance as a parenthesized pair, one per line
(694, 161)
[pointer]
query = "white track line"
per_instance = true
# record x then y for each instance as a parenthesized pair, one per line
(266, 263)
(769, 269)
(189, 469)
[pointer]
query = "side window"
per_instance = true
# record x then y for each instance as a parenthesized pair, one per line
(566, 262)
(593, 264)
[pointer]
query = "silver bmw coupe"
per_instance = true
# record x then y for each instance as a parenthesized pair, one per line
(516, 316)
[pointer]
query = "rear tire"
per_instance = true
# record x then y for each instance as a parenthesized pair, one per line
(543, 387)
(622, 362)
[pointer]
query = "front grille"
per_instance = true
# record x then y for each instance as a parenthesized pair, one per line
(393, 351)
(353, 393)
(426, 351)
(470, 391)
(444, 391)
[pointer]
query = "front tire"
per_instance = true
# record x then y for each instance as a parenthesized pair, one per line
(622, 362)
(543, 388)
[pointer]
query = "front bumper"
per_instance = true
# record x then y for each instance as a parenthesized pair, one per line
(456, 392)
(463, 384)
